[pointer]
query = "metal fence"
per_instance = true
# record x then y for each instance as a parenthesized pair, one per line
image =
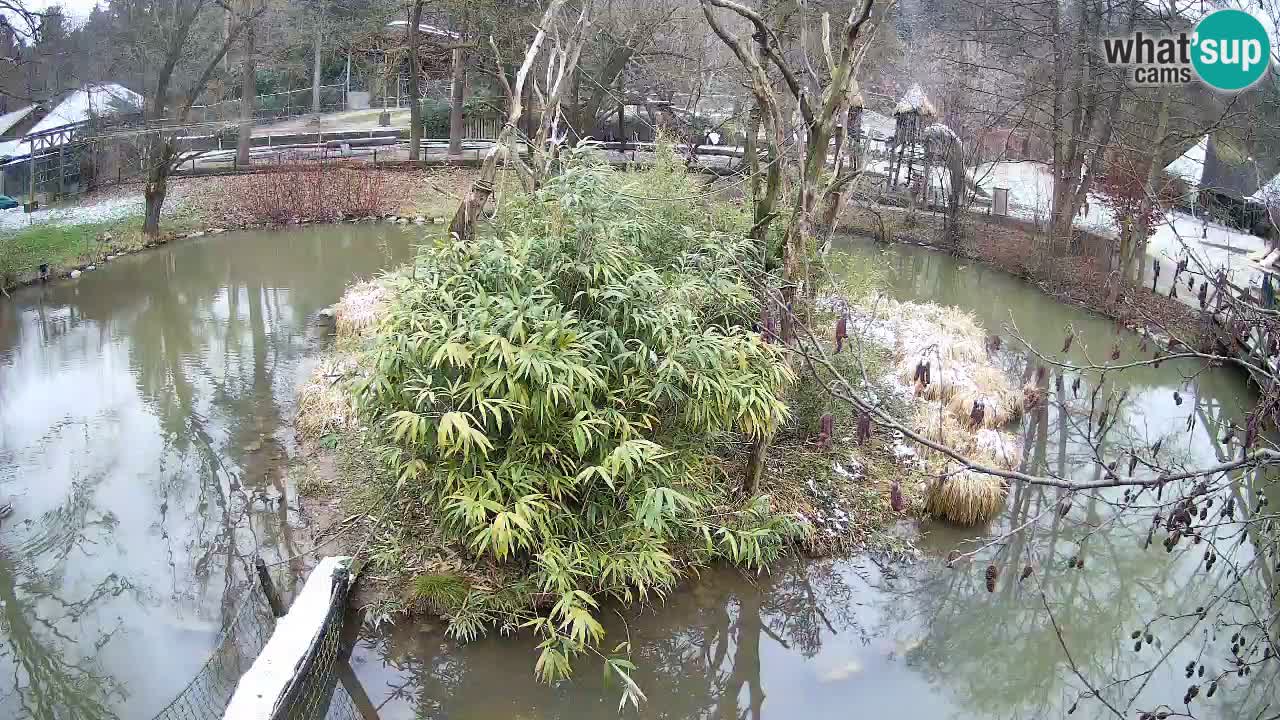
(323, 685)
(274, 106)
(245, 634)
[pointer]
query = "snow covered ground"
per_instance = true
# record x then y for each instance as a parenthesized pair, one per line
(1215, 246)
(103, 210)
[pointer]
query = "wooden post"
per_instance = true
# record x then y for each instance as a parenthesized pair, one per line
(31, 167)
(622, 109)
(269, 588)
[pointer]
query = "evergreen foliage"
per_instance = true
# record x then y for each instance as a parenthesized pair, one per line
(556, 392)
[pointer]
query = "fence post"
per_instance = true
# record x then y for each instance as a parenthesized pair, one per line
(269, 588)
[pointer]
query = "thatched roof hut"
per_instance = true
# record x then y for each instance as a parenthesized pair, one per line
(915, 102)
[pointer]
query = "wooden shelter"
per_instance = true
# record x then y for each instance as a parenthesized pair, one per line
(911, 115)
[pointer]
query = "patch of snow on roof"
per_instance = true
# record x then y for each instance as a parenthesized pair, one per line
(876, 125)
(1269, 193)
(940, 131)
(76, 107)
(428, 29)
(8, 120)
(915, 101)
(1190, 165)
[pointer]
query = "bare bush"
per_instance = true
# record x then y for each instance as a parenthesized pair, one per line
(310, 192)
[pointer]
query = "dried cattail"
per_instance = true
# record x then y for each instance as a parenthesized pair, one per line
(827, 429)
(1064, 506)
(1115, 351)
(1075, 387)
(1201, 670)
(1213, 687)
(842, 332)
(993, 572)
(864, 428)
(1066, 344)
(895, 497)
(1102, 421)
(1135, 634)
(1026, 573)
(978, 413)
(1058, 383)
(1133, 463)
(1177, 398)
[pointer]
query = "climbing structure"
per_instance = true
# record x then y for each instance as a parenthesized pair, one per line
(907, 154)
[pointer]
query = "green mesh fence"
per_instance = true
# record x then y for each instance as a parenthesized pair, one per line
(244, 636)
(322, 688)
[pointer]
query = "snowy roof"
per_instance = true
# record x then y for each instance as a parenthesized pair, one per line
(78, 106)
(428, 29)
(876, 125)
(1190, 165)
(915, 101)
(8, 120)
(938, 131)
(1268, 193)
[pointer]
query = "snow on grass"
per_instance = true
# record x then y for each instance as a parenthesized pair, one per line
(99, 211)
(1214, 246)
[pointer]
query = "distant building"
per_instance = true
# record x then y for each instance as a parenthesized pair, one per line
(53, 127)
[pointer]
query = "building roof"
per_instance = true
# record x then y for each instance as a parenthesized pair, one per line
(1189, 166)
(428, 29)
(8, 120)
(75, 107)
(915, 101)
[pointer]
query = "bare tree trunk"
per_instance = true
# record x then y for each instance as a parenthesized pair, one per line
(248, 93)
(159, 155)
(415, 107)
(315, 73)
(455, 104)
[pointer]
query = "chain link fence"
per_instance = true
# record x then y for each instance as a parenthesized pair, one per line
(323, 686)
(245, 634)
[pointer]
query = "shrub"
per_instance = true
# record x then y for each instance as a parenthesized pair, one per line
(310, 192)
(554, 391)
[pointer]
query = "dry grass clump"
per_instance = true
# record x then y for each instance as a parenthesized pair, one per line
(360, 309)
(954, 347)
(1002, 401)
(965, 497)
(325, 402)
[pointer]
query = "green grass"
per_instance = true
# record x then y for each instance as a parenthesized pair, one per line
(65, 247)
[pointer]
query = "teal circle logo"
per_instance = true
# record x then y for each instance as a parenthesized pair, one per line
(1231, 50)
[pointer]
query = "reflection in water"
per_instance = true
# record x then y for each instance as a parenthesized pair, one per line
(842, 638)
(143, 440)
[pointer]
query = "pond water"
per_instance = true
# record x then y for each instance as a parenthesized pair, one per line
(141, 408)
(144, 405)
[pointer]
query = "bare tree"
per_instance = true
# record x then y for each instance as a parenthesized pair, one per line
(159, 34)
